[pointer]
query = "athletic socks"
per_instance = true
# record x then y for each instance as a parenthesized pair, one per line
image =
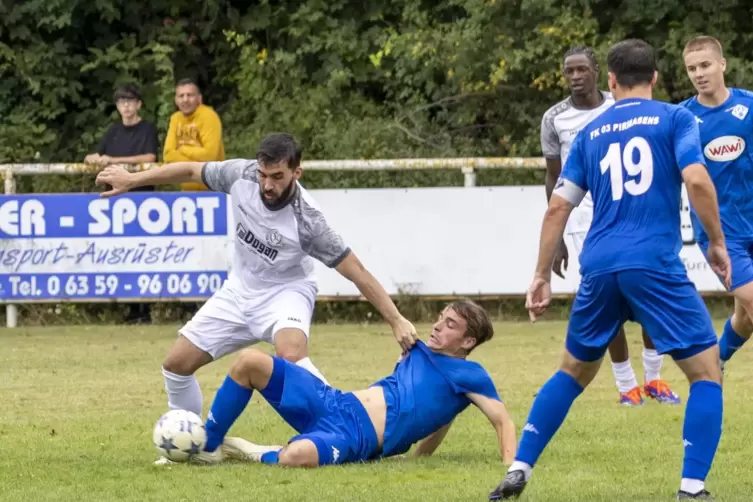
(549, 410)
(229, 402)
(652, 361)
(730, 342)
(624, 376)
(701, 433)
(183, 392)
(308, 365)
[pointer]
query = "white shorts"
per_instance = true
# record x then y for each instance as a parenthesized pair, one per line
(231, 320)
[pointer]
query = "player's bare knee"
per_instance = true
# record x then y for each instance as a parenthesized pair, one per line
(583, 372)
(702, 366)
(248, 361)
(300, 453)
(254, 367)
(185, 358)
(291, 344)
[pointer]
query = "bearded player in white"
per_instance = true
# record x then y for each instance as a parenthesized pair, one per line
(559, 126)
(270, 292)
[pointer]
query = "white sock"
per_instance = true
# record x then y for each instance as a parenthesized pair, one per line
(652, 364)
(521, 466)
(307, 364)
(625, 376)
(183, 392)
(691, 485)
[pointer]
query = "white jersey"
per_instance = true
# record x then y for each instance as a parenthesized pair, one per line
(559, 126)
(272, 247)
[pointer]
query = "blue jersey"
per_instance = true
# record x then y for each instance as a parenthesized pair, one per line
(726, 133)
(630, 158)
(425, 392)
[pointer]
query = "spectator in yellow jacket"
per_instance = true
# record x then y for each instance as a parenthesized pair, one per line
(195, 131)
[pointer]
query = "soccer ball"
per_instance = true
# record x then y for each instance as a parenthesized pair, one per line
(179, 434)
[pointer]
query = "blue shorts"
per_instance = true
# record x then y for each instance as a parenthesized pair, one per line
(335, 421)
(741, 259)
(667, 306)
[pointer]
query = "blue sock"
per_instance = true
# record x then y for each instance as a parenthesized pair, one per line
(271, 457)
(730, 342)
(547, 414)
(229, 402)
(702, 428)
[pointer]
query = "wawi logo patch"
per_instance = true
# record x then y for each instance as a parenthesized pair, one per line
(724, 148)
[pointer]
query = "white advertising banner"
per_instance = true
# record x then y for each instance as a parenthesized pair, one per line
(172, 245)
(458, 241)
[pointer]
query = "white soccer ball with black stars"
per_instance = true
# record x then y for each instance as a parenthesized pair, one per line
(179, 434)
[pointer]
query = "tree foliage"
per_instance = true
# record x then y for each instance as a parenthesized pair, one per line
(367, 79)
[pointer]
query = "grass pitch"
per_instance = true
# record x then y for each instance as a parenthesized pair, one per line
(79, 403)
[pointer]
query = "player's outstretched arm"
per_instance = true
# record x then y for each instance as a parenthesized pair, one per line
(352, 269)
(496, 412)
(430, 443)
(122, 181)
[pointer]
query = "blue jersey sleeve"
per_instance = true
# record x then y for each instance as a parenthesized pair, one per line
(468, 377)
(686, 139)
(575, 166)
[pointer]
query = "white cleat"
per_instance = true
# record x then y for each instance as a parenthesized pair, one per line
(208, 457)
(240, 449)
(164, 461)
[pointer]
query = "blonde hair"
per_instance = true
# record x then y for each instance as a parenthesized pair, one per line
(703, 42)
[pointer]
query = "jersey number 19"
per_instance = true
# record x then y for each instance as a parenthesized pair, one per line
(615, 160)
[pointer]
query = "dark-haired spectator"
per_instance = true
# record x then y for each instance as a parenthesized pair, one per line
(133, 140)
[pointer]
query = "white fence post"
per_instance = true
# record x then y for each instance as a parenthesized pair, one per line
(469, 177)
(11, 311)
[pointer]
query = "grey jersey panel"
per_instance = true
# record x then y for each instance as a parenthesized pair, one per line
(317, 238)
(550, 138)
(220, 176)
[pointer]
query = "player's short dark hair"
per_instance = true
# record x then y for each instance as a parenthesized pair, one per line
(127, 91)
(188, 81)
(633, 62)
(703, 42)
(279, 147)
(479, 325)
(585, 51)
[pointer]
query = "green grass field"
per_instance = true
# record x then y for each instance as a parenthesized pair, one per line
(79, 404)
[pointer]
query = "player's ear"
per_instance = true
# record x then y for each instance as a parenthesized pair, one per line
(469, 343)
(653, 80)
(297, 172)
(723, 64)
(611, 81)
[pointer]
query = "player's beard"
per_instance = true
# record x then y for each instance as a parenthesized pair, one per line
(285, 197)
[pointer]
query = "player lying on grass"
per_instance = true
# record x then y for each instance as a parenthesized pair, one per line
(432, 383)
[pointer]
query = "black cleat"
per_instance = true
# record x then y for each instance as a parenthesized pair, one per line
(702, 495)
(511, 487)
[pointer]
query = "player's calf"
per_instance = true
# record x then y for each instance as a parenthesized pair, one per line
(702, 428)
(178, 368)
